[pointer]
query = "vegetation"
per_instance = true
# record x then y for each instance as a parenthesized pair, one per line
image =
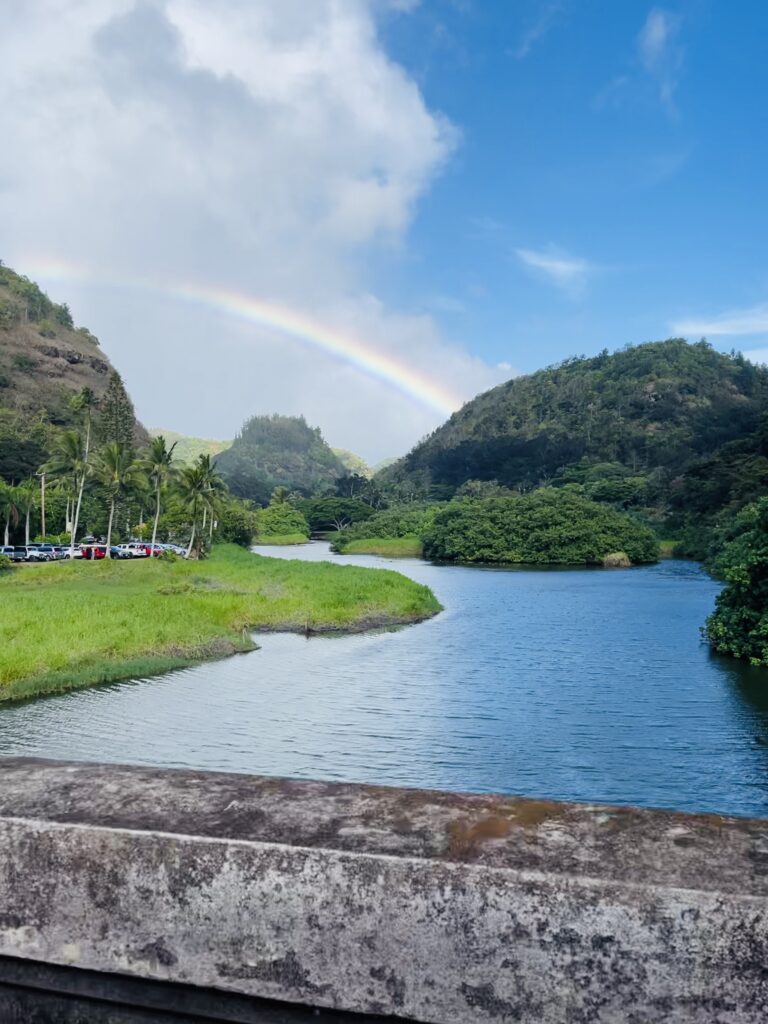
(96, 622)
(273, 451)
(548, 526)
(353, 463)
(280, 523)
(674, 431)
(386, 547)
(739, 624)
(188, 449)
(324, 514)
(400, 521)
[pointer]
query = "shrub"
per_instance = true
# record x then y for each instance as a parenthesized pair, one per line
(739, 624)
(281, 520)
(549, 526)
(21, 361)
(400, 521)
(46, 329)
(9, 314)
(5, 563)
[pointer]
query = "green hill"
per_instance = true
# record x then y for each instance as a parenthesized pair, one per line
(353, 462)
(278, 451)
(674, 429)
(189, 448)
(44, 361)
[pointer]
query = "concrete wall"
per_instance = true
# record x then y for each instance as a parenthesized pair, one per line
(424, 905)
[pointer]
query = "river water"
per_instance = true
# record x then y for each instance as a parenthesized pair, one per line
(567, 683)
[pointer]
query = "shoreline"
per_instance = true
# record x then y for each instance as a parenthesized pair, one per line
(199, 612)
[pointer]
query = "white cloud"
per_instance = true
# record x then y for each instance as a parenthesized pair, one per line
(570, 274)
(753, 320)
(659, 54)
(537, 30)
(266, 148)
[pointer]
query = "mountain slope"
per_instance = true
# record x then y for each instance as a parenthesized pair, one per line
(278, 451)
(44, 362)
(666, 425)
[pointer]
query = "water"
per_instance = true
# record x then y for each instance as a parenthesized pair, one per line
(575, 684)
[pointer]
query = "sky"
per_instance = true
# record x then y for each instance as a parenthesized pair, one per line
(367, 211)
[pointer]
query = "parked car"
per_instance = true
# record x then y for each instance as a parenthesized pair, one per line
(76, 552)
(20, 553)
(93, 551)
(62, 550)
(41, 553)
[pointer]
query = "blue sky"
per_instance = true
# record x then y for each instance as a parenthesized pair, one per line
(464, 188)
(609, 186)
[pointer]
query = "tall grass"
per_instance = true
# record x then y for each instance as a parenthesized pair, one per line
(389, 547)
(68, 624)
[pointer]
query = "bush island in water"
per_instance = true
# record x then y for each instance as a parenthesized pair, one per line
(549, 526)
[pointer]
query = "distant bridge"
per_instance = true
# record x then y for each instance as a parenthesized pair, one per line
(133, 891)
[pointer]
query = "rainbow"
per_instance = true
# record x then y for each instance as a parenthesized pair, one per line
(293, 323)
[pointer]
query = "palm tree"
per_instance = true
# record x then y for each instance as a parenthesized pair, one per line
(26, 501)
(158, 465)
(69, 464)
(191, 488)
(214, 489)
(9, 508)
(279, 496)
(118, 471)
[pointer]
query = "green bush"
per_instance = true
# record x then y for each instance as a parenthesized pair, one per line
(399, 521)
(9, 314)
(46, 329)
(280, 520)
(5, 563)
(739, 624)
(21, 361)
(548, 526)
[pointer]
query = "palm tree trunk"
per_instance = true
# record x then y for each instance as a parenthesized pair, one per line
(210, 535)
(109, 527)
(7, 527)
(26, 526)
(205, 513)
(42, 503)
(191, 540)
(76, 520)
(157, 519)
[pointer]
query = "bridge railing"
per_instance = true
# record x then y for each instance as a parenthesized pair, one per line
(422, 905)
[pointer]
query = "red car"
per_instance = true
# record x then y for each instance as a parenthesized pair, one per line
(94, 551)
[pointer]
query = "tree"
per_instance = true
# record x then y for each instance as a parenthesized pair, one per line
(190, 488)
(117, 417)
(158, 465)
(739, 624)
(279, 496)
(118, 471)
(213, 491)
(26, 503)
(9, 509)
(69, 465)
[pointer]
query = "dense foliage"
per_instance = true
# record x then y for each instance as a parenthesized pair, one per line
(675, 429)
(325, 514)
(739, 624)
(279, 519)
(272, 451)
(399, 521)
(548, 526)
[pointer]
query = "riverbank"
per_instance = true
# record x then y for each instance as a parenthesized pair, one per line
(386, 547)
(69, 625)
(282, 539)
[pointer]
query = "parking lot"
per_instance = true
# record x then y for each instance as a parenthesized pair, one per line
(90, 550)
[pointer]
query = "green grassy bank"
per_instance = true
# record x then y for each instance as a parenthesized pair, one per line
(388, 547)
(72, 624)
(280, 539)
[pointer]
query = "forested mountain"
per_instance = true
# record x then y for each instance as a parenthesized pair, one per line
(278, 451)
(674, 429)
(44, 363)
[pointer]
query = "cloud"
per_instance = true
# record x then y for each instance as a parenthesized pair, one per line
(540, 27)
(271, 149)
(660, 56)
(569, 274)
(753, 320)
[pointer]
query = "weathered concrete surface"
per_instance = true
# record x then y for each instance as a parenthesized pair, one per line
(426, 905)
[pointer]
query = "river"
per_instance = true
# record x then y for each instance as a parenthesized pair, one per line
(566, 683)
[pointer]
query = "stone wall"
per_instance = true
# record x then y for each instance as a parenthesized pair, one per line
(424, 905)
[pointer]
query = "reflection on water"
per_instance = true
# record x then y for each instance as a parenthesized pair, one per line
(585, 685)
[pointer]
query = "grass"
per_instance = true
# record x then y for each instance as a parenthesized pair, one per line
(283, 538)
(667, 548)
(70, 624)
(389, 547)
